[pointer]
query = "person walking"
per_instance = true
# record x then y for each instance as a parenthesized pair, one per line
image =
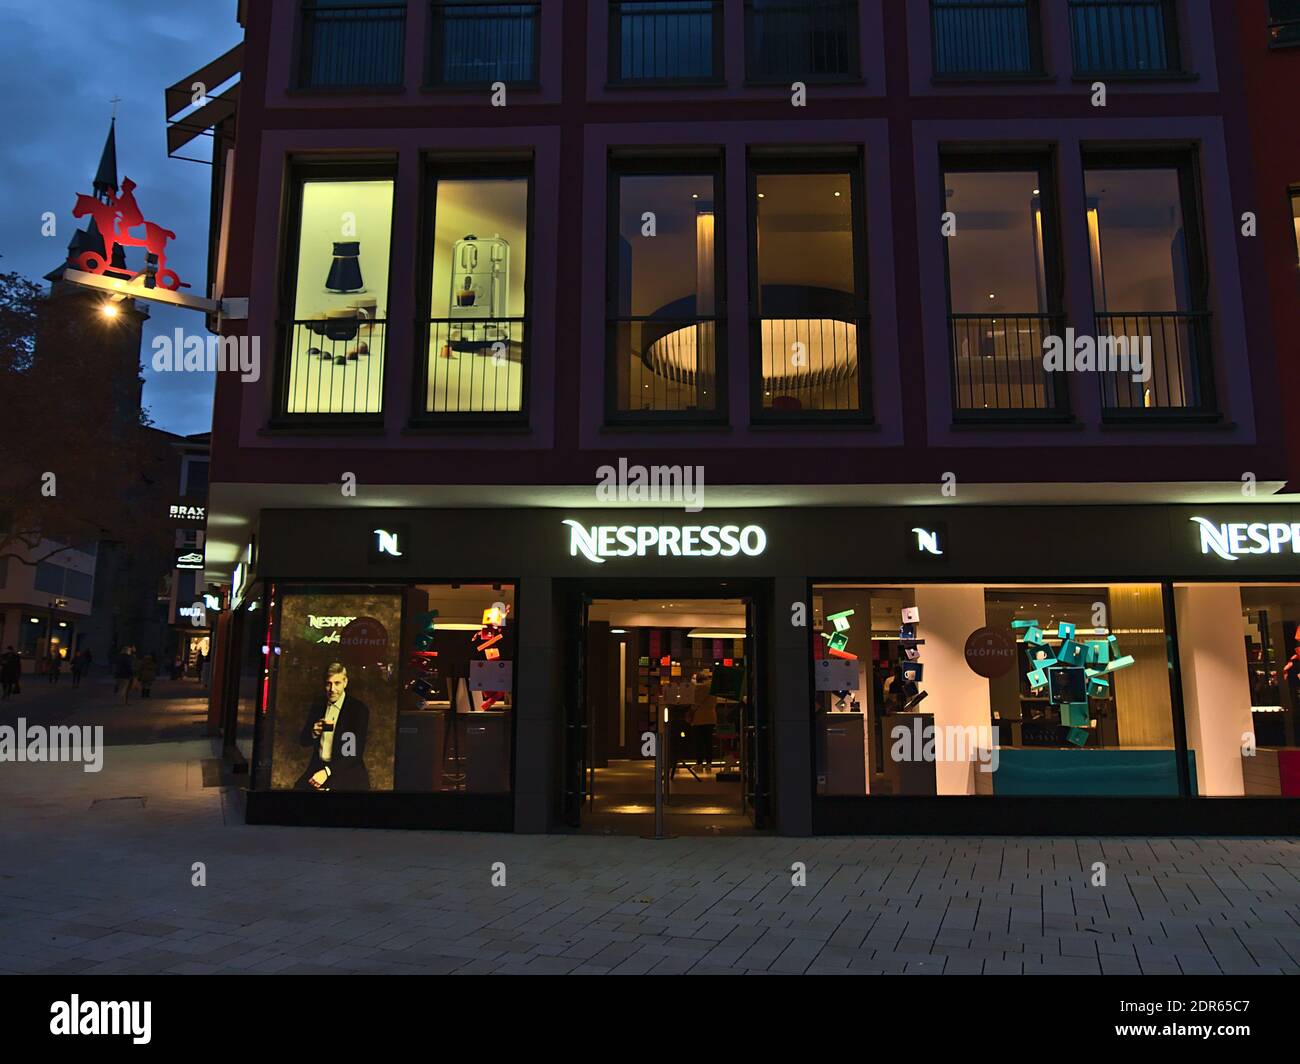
(54, 667)
(123, 674)
(11, 670)
(148, 672)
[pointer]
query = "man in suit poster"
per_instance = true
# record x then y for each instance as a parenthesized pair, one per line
(335, 728)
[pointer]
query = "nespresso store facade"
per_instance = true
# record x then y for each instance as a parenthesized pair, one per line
(999, 670)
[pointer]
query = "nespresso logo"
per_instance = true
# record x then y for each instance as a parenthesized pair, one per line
(1232, 540)
(683, 541)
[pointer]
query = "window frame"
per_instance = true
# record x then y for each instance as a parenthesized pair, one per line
(852, 76)
(1175, 68)
(711, 163)
(304, 44)
(434, 73)
(1184, 160)
(1044, 163)
(613, 69)
(759, 163)
(1037, 59)
(298, 171)
(434, 170)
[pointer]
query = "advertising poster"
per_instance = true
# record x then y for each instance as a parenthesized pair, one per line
(335, 691)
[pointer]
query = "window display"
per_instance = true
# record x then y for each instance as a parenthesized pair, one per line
(1021, 687)
(340, 299)
(477, 299)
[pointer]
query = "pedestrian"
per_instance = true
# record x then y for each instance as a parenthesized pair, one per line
(148, 671)
(54, 668)
(87, 661)
(11, 670)
(123, 674)
(203, 669)
(77, 664)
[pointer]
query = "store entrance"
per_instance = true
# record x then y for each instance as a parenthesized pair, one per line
(679, 669)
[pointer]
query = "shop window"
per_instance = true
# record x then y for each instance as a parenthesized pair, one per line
(477, 346)
(476, 43)
(1003, 288)
(1240, 652)
(1294, 197)
(1149, 288)
(674, 41)
(1283, 23)
(1125, 37)
(352, 44)
(801, 40)
(392, 689)
(809, 325)
(337, 297)
(665, 352)
(992, 691)
(983, 39)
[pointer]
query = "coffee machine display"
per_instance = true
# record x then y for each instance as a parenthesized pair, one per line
(480, 290)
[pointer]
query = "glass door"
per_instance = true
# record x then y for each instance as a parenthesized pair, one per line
(753, 722)
(577, 771)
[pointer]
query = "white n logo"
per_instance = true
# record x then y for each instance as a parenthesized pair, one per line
(580, 539)
(386, 543)
(1215, 538)
(927, 541)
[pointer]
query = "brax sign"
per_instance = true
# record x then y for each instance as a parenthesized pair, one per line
(687, 541)
(1232, 540)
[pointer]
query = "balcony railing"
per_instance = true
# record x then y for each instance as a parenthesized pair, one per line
(352, 47)
(479, 43)
(1169, 353)
(1124, 37)
(334, 366)
(812, 367)
(663, 368)
(985, 38)
(665, 41)
(476, 367)
(801, 40)
(998, 370)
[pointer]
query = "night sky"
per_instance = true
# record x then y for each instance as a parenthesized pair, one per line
(63, 61)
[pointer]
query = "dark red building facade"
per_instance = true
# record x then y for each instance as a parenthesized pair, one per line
(898, 306)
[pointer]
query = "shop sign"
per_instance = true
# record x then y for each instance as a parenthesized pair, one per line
(389, 544)
(1233, 539)
(990, 652)
(683, 541)
(189, 558)
(928, 543)
(188, 516)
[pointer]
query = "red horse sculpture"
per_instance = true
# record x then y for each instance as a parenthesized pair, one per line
(115, 220)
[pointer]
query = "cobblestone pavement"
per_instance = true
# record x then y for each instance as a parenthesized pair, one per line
(96, 870)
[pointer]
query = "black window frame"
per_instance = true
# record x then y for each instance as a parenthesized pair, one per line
(1186, 161)
(1044, 163)
(434, 76)
(439, 168)
(711, 163)
(1037, 70)
(761, 162)
(299, 170)
(850, 76)
(305, 42)
(1174, 69)
(614, 76)
(1283, 24)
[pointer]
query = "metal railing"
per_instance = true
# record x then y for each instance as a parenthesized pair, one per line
(661, 366)
(665, 40)
(334, 366)
(997, 366)
(810, 366)
(475, 367)
(1124, 36)
(1169, 353)
(352, 47)
(988, 38)
(478, 43)
(801, 40)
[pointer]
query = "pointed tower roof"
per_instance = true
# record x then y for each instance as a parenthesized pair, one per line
(106, 176)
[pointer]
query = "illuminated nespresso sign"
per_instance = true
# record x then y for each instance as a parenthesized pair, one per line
(683, 541)
(1232, 540)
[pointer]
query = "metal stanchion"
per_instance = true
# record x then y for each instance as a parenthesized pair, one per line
(659, 786)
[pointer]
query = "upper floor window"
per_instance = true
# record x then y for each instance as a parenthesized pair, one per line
(664, 355)
(478, 293)
(665, 41)
(336, 295)
(1003, 286)
(1131, 37)
(985, 38)
(1283, 23)
(351, 44)
(1149, 285)
(472, 42)
(808, 326)
(801, 40)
